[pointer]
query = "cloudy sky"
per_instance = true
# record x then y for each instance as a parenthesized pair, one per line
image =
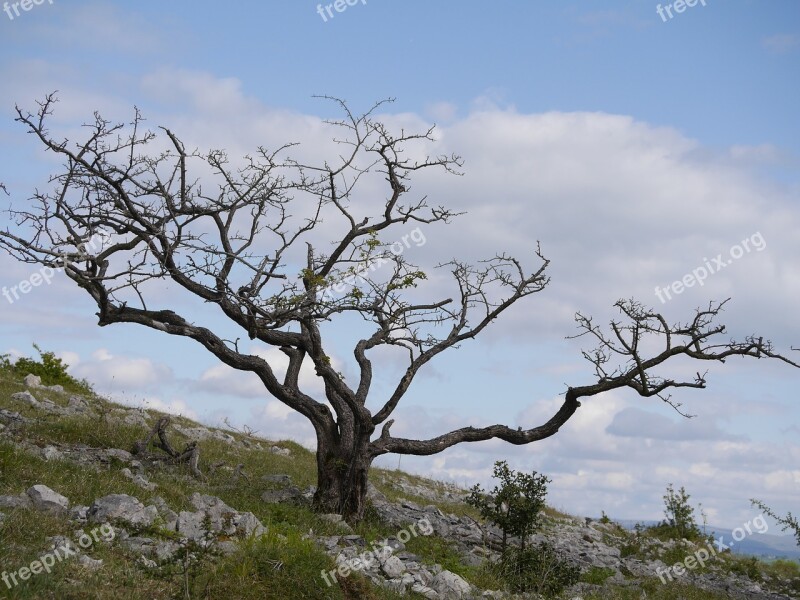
(635, 147)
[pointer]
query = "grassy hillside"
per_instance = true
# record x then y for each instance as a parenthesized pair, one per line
(282, 564)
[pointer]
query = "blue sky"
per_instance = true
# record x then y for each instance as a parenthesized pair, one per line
(632, 148)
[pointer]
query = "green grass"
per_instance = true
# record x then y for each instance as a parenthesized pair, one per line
(597, 575)
(653, 589)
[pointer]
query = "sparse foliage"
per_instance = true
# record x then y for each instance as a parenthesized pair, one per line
(789, 522)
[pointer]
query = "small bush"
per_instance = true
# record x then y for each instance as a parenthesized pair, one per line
(514, 505)
(680, 522)
(540, 569)
(51, 369)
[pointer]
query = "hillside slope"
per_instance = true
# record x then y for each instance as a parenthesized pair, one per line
(119, 525)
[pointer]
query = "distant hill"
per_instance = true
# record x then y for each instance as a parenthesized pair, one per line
(764, 545)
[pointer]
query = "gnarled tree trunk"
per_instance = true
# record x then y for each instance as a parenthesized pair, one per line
(342, 478)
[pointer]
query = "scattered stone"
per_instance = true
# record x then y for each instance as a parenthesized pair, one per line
(11, 417)
(77, 405)
(393, 567)
(32, 381)
(248, 525)
(20, 501)
(280, 451)
(45, 499)
(87, 562)
(80, 514)
(60, 541)
(123, 508)
(165, 550)
(138, 480)
(26, 397)
(290, 494)
(337, 520)
(51, 453)
(136, 418)
(121, 455)
(146, 562)
(450, 586)
(200, 434)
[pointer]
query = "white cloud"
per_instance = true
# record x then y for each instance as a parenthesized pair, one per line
(112, 373)
(173, 407)
(222, 378)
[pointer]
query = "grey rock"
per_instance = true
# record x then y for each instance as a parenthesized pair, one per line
(450, 586)
(191, 525)
(247, 524)
(32, 381)
(122, 455)
(393, 567)
(79, 514)
(11, 417)
(51, 453)
(424, 590)
(138, 480)
(136, 418)
(139, 545)
(280, 451)
(290, 494)
(146, 562)
(165, 550)
(124, 509)
(337, 520)
(19, 501)
(200, 434)
(220, 514)
(26, 397)
(46, 500)
(59, 541)
(77, 405)
(87, 562)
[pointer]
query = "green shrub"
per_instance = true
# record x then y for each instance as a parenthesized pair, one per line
(540, 569)
(680, 522)
(51, 369)
(515, 504)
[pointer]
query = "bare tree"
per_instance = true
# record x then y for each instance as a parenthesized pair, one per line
(228, 239)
